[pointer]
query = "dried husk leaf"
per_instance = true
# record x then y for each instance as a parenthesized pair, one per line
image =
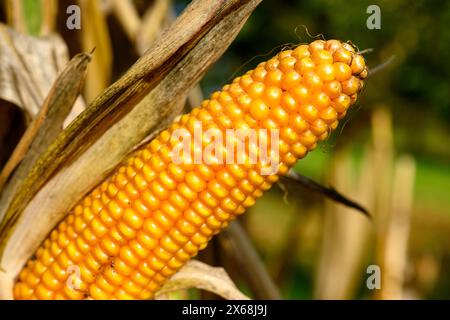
(28, 67)
(45, 127)
(151, 23)
(145, 99)
(196, 274)
(95, 34)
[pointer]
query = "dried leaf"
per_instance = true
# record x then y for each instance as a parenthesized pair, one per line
(95, 34)
(28, 67)
(14, 15)
(196, 274)
(237, 246)
(328, 192)
(142, 101)
(128, 17)
(45, 127)
(152, 23)
(49, 14)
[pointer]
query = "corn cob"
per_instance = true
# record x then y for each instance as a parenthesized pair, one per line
(139, 226)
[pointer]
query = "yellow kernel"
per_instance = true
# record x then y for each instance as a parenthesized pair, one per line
(140, 182)
(162, 254)
(115, 209)
(62, 241)
(159, 190)
(217, 189)
(177, 200)
(287, 63)
(285, 54)
(99, 255)
(259, 74)
(329, 115)
(167, 181)
(322, 57)
(89, 236)
(146, 240)
(320, 100)
(139, 249)
(149, 173)
(131, 288)
(229, 205)
(300, 93)
(318, 127)
(308, 138)
(73, 252)
(195, 182)
(280, 116)
(98, 228)
(141, 208)
(255, 178)
(123, 199)
(156, 264)
(126, 231)
(290, 79)
(273, 78)
(332, 89)
(299, 150)
(50, 281)
(153, 228)
(313, 81)
(43, 293)
(358, 64)
(333, 45)
(187, 192)
(343, 55)
(236, 171)
(174, 263)
(288, 103)
(301, 52)
(97, 293)
(341, 103)
(192, 217)
(168, 244)
(79, 224)
(72, 294)
(110, 246)
(309, 112)
(249, 201)
(207, 198)
(122, 267)
(113, 277)
(305, 66)
(186, 228)
(157, 163)
(298, 123)
(213, 223)
(132, 219)
(316, 45)
(342, 71)
(104, 285)
(272, 64)
(259, 110)
(272, 96)
(351, 86)
(256, 90)
(325, 72)
(150, 200)
(201, 208)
